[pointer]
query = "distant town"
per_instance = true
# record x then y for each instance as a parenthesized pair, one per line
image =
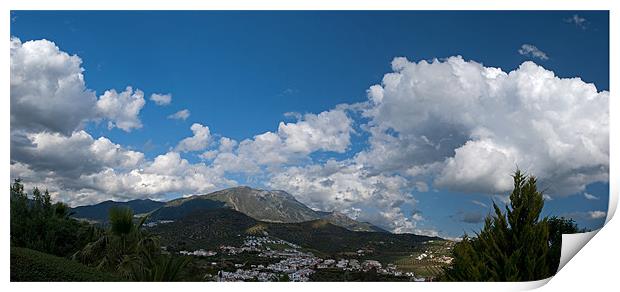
(298, 265)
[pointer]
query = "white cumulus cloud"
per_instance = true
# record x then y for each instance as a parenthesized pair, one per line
(71, 156)
(199, 141)
(180, 115)
(161, 99)
(532, 51)
(471, 126)
(122, 108)
(345, 187)
(48, 92)
(327, 131)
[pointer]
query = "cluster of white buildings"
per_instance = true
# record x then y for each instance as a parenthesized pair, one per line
(259, 241)
(356, 265)
(155, 223)
(293, 264)
(256, 244)
(296, 264)
(199, 253)
(232, 250)
(245, 275)
(444, 259)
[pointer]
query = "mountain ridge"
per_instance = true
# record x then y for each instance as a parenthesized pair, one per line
(275, 206)
(99, 212)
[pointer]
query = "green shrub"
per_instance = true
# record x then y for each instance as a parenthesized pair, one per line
(38, 224)
(32, 266)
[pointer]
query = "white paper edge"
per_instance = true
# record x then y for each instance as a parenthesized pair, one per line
(573, 243)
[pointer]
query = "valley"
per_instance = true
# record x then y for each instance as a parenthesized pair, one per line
(243, 234)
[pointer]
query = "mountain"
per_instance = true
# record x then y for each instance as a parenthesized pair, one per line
(345, 221)
(262, 205)
(210, 228)
(99, 212)
(271, 206)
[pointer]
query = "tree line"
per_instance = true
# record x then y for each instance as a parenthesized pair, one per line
(122, 248)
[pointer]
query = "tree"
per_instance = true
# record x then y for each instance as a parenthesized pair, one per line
(557, 227)
(124, 248)
(512, 246)
(128, 250)
(40, 225)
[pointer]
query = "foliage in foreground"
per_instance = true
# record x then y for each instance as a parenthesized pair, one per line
(514, 246)
(33, 266)
(124, 249)
(38, 224)
(129, 251)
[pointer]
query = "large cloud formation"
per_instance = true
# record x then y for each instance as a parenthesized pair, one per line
(48, 93)
(348, 188)
(470, 126)
(465, 128)
(47, 88)
(446, 124)
(56, 153)
(328, 131)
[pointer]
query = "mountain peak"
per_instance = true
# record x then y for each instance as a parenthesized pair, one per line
(271, 206)
(265, 205)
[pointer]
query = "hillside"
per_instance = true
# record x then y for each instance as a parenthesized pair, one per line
(99, 212)
(33, 266)
(180, 208)
(211, 228)
(207, 228)
(326, 237)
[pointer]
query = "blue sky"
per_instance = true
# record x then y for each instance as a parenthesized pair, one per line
(239, 72)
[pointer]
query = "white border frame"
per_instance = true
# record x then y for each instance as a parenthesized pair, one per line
(592, 268)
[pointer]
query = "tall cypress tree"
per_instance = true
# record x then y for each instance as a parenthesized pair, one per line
(512, 246)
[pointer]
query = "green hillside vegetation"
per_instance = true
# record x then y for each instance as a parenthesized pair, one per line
(331, 239)
(208, 228)
(214, 227)
(44, 237)
(38, 224)
(33, 266)
(177, 209)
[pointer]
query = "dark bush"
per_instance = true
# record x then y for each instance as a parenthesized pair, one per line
(33, 266)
